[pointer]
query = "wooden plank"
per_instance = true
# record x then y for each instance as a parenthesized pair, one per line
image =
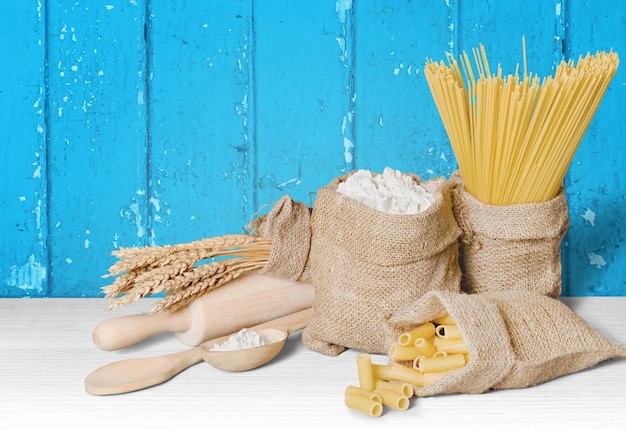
(500, 27)
(596, 182)
(46, 353)
(97, 139)
(302, 82)
(24, 267)
(397, 124)
(201, 126)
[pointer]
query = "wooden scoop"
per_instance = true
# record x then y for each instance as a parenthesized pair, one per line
(248, 300)
(134, 374)
(253, 357)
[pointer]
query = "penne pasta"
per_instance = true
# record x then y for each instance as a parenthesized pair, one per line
(425, 347)
(426, 330)
(401, 388)
(448, 331)
(360, 402)
(365, 371)
(440, 363)
(393, 399)
(400, 352)
(450, 346)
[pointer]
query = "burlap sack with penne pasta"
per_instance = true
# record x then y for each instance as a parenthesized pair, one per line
(514, 339)
(514, 247)
(287, 224)
(366, 263)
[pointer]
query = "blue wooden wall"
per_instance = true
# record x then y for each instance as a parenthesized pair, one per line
(140, 122)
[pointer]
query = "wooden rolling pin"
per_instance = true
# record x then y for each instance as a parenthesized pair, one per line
(248, 300)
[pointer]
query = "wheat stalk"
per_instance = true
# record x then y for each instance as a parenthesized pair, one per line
(154, 256)
(203, 284)
(127, 281)
(176, 271)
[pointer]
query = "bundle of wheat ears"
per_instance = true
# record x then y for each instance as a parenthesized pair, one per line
(183, 271)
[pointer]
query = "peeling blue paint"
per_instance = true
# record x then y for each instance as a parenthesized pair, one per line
(596, 260)
(590, 217)
(342, 7)
(29, 278)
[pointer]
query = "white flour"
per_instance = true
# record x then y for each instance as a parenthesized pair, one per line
(389, 192)
(244, 339)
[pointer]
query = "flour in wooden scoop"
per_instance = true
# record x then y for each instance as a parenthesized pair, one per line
(244, 339)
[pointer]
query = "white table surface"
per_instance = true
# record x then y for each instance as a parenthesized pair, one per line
(46, 351)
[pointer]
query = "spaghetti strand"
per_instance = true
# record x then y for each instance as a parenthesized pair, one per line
(515, 138)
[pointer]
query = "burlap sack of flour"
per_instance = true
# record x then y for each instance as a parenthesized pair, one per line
(287, 224)
(515, 339)
(366, 263)
(515, 247)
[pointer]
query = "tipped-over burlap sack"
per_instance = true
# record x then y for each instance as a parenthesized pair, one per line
(515, 339)
(515, 247)
(287, 224)
(366, 263)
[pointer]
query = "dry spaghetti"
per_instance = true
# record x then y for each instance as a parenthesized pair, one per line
(514, 137)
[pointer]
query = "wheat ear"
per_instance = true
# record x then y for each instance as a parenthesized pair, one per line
(176, 271)
(133, 258)
(203, 284)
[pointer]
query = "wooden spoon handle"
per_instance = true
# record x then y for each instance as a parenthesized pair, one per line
(134, 374)
(124, 331)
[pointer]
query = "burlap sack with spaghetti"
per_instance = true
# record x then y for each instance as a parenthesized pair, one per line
(515, 339)
(287, 224)
(366, 263)
(514, 247)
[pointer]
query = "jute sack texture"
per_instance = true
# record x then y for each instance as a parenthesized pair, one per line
(288, 225)
(513, 247)
(515, 339)
(366, 263)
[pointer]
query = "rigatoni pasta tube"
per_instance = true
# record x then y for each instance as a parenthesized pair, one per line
(427, 330)
(355, 390)
(400, 388)
(432, 377)
(437, 354)
(449, 331)
(400, 352)
(444, 320)
(398, 372)
(393, 399)
(440, 363)
(360, 402)
(365, 371)
(450, 346)
(425, 347)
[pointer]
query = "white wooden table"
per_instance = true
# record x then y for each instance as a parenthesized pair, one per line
(46, 351)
